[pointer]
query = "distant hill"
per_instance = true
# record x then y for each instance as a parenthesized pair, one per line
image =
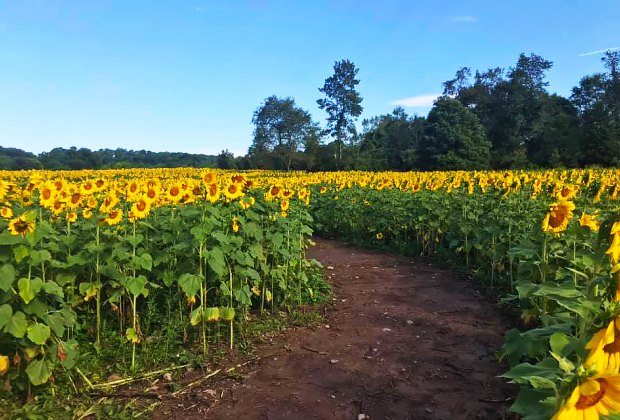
(74, 158)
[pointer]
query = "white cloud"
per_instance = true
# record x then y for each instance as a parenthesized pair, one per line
(598, 51)
(417, 101)
(464, 19)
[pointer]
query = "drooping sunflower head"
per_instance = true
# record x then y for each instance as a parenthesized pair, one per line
(558, 216)
(22, 225)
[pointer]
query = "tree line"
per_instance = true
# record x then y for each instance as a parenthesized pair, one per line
(493, 119)
(83, 158)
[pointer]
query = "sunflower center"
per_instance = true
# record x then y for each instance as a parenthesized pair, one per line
(21, 226)
(47, 193)
(141, 205)
(613, 347)
(587, 401)
(174, 191)
(555, 220)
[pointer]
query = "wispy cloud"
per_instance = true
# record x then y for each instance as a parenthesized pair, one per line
(417, 101)
(598, 51)
(463, 19)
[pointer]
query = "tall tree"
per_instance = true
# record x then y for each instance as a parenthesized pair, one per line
(453, 138)
(280, 130)
(342, 104)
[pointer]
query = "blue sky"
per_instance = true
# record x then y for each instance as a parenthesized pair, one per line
(186, 75)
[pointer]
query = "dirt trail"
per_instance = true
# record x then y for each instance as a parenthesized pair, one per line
(403, 340)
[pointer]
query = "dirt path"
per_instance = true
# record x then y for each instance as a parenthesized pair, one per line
(404, 340)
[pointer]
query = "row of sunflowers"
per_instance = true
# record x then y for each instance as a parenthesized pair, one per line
(87, 256)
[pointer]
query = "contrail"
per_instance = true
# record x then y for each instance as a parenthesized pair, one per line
(598, 51)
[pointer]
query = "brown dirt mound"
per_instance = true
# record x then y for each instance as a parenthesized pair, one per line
(403, 340)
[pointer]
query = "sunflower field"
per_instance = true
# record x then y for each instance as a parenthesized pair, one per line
(131, 257)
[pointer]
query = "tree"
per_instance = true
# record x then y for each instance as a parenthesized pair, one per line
(342, 104)
(597, 99)
(453, 138)
(390, 141)
(226, 160)
(280, 130)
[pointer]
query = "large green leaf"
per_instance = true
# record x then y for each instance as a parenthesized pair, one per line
(17, 325)
(7, 277)
(39, 371)
(217, 262)
(5, 314)
(29, 288)
(135, 285)
(39, 333)
(190, 283)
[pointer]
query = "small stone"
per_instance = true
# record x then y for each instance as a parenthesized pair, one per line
(387, 330)
(409, 322)
(362, 417)
(334, 361)
(168, 377)
(327, 326)
(333, 397)
(329, 267)
(429, 410)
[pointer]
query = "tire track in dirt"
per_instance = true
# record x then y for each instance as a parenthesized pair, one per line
(403, 340)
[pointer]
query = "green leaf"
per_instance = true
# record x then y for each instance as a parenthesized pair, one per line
(5, 314)
(217, 262)
(135, 285)
(39, 371)
(52, 288)
(534, 404)
(227, 314)
(132, 336)
(29, 288)
(212, 314)
(62, 279)
(190, 284)
(7, 239)
(558, 341)
(146, 261)
(39, 333)
(37, 257)
(7, 277)
(134, 242)
(21, 252)
(56, 323)
(566, 365)
(17, 325)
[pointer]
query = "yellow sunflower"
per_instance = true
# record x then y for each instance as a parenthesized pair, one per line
(6, 212)
(285, 204)
(589, 221)
(235, 224)
(141, 208)
(558, 216)
(4, 364)
(604, 349)
(174, 193)
(213, 193)
(595, 396)
(47, 194)
(233, 191)
(114, 217)
(71, 216)
(21, 225)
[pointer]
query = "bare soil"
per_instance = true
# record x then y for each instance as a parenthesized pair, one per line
(403, 339)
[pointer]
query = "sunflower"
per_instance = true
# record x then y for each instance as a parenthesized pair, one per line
(4, 364)
(87, 188)
(235, 224)
(87, 213)
(141, 208)
(614, 247)
(21, 225)
(379, 235)
(323, 190)
(604, 349)
(558, 216)
(273, 192)
(589, 221)
(57, 207)
(109, 202)
(285, 204)
(173, 193)
(114, 217)
(208, 178)
(75, 200)
(47, 194)
(595, 396)
(213, 193)
(567, 192)
(6, 212)
(71, 216)
(233, 191)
